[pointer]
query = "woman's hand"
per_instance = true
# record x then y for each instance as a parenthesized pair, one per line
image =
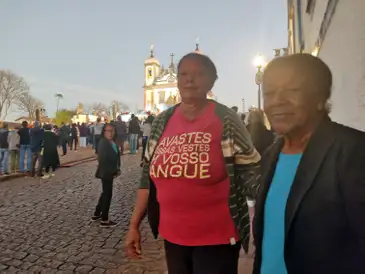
(133, 243)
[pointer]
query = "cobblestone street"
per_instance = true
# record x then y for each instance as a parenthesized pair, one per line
(45, 225)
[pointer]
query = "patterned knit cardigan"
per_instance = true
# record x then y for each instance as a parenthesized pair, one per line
(242, 162)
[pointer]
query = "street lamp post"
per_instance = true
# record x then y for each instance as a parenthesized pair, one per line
(259, 64)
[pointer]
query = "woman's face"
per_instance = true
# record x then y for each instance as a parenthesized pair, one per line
(194, 81)
(109, 132)
(289, 101)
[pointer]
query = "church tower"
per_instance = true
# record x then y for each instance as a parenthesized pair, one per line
(152, 69)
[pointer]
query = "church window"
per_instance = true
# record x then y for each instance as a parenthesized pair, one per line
(149, 73)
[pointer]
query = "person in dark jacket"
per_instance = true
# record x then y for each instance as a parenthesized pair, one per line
(74, 137)
(261, 137)
(36, 142)
(134, 131)
(49, 151)
(64, 135)
(84, 131)
(121, 133)
(309, 215)
(4, 149)
(108, 169)
(25, 150)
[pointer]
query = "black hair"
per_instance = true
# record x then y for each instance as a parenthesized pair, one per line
(307, 63)
(204, 60)
(109, 125)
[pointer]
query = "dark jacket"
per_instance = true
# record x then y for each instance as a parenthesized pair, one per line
(49, 151)
(121, 128)
(108, 160)
(24, 134)
(64, 133)
(84, 131)
(36, 139)
(261, 137)
(134, 127)
(4, 133)
(324, 218)
(73, 132)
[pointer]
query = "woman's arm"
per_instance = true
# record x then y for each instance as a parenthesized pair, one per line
(102, 153)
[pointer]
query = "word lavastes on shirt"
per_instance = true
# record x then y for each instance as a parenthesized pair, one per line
(186, 155)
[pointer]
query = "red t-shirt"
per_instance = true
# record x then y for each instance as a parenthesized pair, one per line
(192, 184)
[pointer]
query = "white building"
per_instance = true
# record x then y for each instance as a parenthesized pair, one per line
(334, 30)
(160, 84)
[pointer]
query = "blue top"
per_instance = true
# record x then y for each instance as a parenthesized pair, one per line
(115, 147)
(274, 214)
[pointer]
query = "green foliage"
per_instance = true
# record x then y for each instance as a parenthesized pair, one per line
(64, 115)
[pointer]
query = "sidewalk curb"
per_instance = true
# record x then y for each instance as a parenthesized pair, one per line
(78, 162)
(71, 163)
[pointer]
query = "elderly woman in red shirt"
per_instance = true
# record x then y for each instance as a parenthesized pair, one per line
(199, 166)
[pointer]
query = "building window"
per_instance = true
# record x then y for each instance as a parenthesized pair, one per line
(149, 73)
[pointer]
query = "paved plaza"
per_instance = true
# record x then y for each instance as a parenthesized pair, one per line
(45, 225)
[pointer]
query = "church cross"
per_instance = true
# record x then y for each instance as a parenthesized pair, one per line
(172, 57)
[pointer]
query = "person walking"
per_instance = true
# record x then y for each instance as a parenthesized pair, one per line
(198, 168)
(108, 169)
(98, 128)
(49, 152)
(134, 131)
(83, 129)
(121, 133)
(64, 135)
(4, 149)
(146, 131)
(14, 145)
(74, 137)
(36, 142)
(25, 150)
(309, 216)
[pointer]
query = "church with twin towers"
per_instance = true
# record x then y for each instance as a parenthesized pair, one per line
(160, 83)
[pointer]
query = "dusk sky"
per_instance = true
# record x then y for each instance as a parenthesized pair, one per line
(93, 51)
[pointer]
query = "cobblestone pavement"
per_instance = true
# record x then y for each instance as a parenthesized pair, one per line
(45, 226)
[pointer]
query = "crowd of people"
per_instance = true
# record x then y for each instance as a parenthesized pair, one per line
(21, 146)
(31, 150)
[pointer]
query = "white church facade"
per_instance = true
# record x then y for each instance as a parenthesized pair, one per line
(160, 84)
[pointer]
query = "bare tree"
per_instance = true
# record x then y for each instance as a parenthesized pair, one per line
(29, 104)
(120, 106)
(96, 108)
(11, 87)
